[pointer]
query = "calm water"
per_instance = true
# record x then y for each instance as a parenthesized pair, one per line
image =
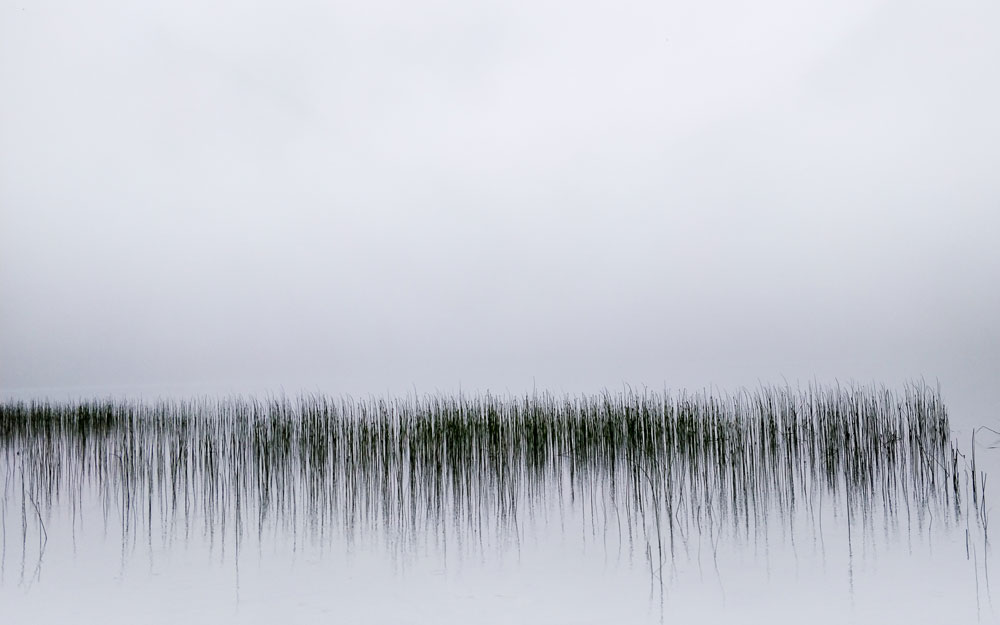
(849, 505)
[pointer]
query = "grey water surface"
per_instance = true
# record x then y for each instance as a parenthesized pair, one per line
(686, 507)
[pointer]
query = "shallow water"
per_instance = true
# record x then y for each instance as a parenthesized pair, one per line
(566, 544)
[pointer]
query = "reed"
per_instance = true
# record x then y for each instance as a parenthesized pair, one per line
(665, 466)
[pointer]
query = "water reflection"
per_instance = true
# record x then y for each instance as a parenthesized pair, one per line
(646, 477)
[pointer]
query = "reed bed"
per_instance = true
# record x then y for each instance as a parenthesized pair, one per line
(660, 466)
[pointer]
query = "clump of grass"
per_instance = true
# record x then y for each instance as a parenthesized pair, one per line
(409, 468)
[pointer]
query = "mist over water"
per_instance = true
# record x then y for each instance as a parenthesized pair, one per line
(367, 198)
(388, 200)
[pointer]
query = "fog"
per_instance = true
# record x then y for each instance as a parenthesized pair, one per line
(369, 197)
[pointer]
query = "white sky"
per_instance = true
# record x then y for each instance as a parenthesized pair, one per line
(371, 196)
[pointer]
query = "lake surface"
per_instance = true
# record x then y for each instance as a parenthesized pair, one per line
(834, 504)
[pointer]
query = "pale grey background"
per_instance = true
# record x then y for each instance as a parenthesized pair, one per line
(374, 196)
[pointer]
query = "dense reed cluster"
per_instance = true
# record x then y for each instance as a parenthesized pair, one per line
(656, 464)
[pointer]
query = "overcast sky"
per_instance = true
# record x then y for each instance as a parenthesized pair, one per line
(372, 196)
